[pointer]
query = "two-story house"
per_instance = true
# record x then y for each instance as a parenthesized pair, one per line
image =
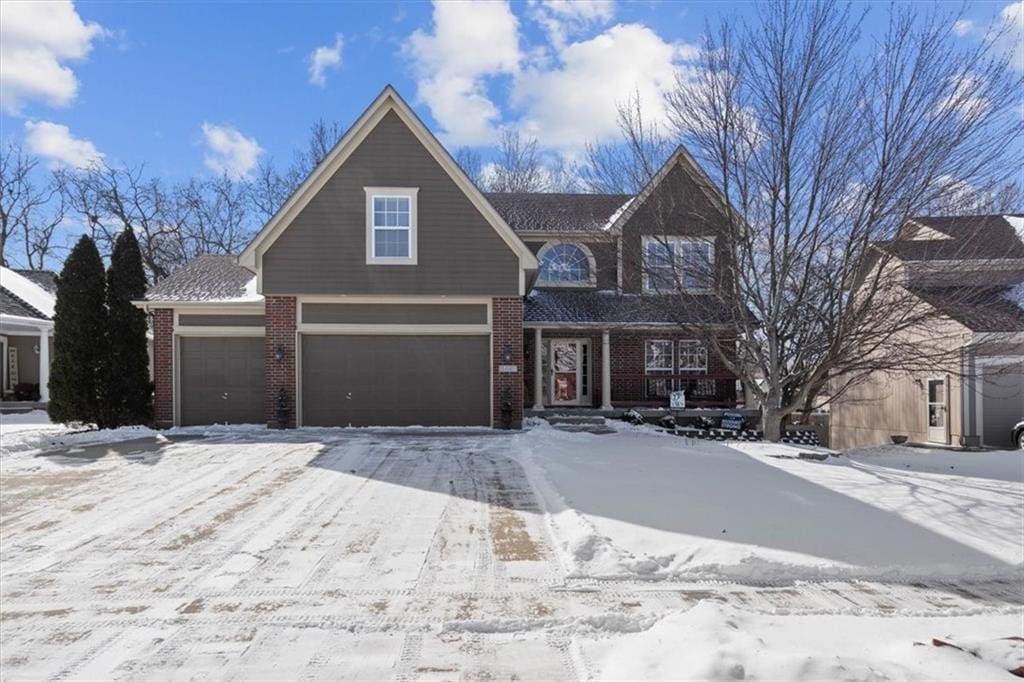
(967, 274)
(388, 290)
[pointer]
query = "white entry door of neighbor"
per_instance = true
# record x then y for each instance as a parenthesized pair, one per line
(937, 413)
(568, 371)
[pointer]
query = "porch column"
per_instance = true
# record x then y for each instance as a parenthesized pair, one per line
(606, 370)
(538, 371)
(44, 366)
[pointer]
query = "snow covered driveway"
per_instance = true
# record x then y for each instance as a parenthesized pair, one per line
(328, 554)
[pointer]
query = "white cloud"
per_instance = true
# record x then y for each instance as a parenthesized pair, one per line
(55, 142)
(576, 101)
(1013, 18)
(323, 58)
(229, 151)
(35, 39)
(963, 26)
(470, 42)
(562, 18)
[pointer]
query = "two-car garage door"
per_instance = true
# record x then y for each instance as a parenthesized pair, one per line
(368, 380)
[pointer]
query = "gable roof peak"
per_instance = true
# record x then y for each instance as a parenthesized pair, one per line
(389, 100)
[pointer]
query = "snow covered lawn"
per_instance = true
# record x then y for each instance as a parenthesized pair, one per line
(350, 554)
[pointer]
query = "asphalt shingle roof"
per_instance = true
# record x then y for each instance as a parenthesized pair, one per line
(613, 307)
(980, 309)
(205, 278)
(44, 279)
(12, 305)
(528, 212)
(970, 237)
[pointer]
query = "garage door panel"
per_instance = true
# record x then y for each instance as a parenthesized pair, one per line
(367, 380)
(221, 380)
(1002, 390)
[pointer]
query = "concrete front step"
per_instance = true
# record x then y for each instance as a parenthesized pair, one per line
(574, 419)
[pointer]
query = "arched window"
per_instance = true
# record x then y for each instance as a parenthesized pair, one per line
(565, 264)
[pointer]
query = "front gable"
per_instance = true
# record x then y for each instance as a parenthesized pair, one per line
(680, 201)
(318, 243)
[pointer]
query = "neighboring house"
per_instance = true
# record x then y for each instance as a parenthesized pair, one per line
(26, 332)
(970, 271)
(388, 290)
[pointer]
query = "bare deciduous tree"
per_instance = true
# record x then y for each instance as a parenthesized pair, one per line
(28, 211)
(519, 166)
(471, 163)
(823, 147)
(624, 166)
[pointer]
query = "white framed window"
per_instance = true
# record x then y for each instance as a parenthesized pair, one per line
(678, 262)
(391, 225)
(566, 264)
(693, 356)
(658, 356)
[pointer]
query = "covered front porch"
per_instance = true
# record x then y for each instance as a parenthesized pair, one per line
(611, 369)
(26, 345)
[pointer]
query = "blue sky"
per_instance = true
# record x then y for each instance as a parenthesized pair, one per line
(196, 88)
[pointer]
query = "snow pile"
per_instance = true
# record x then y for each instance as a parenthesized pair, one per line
(32, 431)
(714, 641)
(642, 505)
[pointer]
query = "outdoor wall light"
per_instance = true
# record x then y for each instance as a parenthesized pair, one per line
(506, 354)
(279, 352)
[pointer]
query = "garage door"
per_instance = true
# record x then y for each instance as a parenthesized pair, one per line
(1002, 404)
(221, 380)
(395, 380)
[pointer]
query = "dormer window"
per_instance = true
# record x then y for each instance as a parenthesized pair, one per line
(566, 264)
(391, 225)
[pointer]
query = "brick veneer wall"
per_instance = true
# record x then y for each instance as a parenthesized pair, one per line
(627, 357)
(280, 316)
(163, 367)
(507, 337)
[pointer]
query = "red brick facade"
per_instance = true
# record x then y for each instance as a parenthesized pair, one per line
(628, 376)
(278, 404)
(163, 367)
(507, 350)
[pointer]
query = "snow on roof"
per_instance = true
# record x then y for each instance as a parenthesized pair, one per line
(28, 291)
(1017, 223)
(614, 217)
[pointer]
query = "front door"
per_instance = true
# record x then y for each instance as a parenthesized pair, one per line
(937, 411)
(569, 366)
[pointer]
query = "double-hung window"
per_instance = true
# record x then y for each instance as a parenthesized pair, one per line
(391, 225)
(658, 360)
(670, 263)
(693, 356)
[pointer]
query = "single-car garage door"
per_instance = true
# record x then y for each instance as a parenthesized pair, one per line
(221, 380)
(395, 380)
(1002, 396)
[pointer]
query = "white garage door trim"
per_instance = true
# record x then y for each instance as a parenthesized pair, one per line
(185, 332)
(391, 329)
(982, 364)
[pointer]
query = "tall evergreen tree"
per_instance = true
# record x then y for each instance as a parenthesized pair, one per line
(79, 326)
(126, 392)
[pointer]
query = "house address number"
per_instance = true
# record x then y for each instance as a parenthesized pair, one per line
(508, 369)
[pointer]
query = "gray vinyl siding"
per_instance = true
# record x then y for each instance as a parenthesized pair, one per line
(425, 313)
(395, 380)
(220, 320)
(221, 380)
(323, 250)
